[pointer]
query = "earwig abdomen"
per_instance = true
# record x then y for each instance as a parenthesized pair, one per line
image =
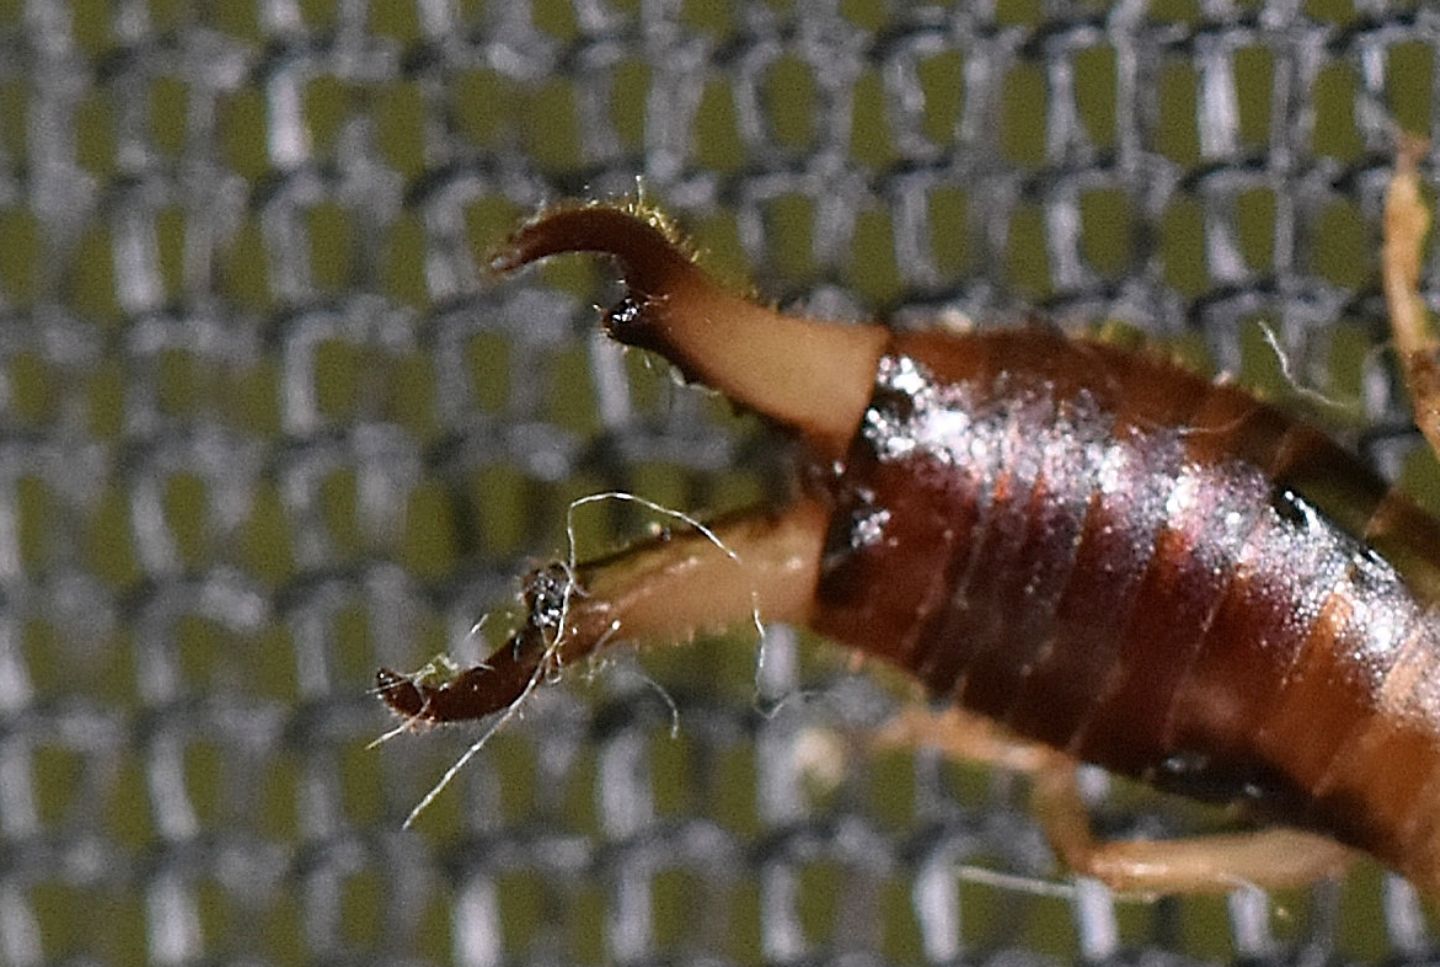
(1093, 547)
(1154, 589)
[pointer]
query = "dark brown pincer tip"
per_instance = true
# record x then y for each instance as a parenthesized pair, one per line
(441, 691)
(400, 693)
(641, 239)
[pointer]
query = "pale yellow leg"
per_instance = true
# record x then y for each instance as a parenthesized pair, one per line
(966, 736)
(1406, 222)
(1270, 859)
(1275, 858)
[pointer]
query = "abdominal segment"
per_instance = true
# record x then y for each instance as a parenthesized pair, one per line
(1137, 593)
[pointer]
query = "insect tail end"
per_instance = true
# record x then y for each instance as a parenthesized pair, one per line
(425, 698)
(813, 377)
(400, 694)
(650, 250)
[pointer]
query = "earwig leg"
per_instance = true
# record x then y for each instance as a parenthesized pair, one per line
(755, 566)
(1276, 858)
(965, 736)
(1272, 858)
(1406, 222)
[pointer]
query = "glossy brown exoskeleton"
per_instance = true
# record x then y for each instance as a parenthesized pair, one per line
(1104, 554)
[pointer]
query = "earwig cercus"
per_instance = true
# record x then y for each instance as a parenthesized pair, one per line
(1115, 560)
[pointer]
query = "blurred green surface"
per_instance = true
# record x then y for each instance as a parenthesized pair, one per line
(489, 110)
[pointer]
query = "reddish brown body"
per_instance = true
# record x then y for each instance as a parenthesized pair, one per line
(1093, 547)
(1111, 556)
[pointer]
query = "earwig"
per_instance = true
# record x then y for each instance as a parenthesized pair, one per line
(1096, 550)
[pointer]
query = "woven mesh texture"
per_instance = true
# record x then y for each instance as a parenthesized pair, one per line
(264, 425)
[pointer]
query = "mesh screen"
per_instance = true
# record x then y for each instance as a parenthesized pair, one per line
(265, 425)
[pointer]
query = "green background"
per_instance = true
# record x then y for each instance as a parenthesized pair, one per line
(507, 514)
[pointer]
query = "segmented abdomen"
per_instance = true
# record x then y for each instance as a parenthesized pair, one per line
(1119, 559)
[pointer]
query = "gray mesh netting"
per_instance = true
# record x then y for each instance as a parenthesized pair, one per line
(265, 425)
